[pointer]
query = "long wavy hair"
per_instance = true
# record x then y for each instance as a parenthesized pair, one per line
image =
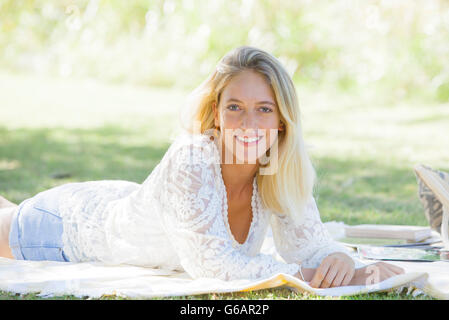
(288, 190)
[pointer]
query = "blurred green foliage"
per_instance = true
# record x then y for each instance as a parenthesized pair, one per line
(399, 48)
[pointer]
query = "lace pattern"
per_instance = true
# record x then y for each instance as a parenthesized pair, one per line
(82, 207)
(194, 221)
(177, 219)
(307, 243)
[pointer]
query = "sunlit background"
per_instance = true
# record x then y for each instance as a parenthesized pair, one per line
(401, 46)
(92, 90)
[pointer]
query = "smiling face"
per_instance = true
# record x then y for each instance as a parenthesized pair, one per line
(248, 117)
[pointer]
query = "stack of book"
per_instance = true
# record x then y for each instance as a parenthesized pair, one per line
(394, 242)
(386, 231)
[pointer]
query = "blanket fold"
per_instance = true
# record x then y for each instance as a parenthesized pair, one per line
(88, 279)
(93, 279)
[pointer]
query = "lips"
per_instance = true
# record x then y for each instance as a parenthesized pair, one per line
(248, 141)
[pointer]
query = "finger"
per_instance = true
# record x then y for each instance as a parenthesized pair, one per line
(319, 275)
(348, 277)
(338, 280)
(374, 273)
(396, 269)
(330, 276)
(386, 274)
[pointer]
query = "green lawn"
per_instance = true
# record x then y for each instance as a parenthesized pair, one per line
(364, 148)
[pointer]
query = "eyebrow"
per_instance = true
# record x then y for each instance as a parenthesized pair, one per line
(260, 102)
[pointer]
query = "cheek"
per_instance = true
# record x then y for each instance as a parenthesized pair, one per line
(230, 120)
(272, 134)
(269, 123)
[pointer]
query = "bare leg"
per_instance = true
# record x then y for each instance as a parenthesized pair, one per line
(6, 215)
(4, 203)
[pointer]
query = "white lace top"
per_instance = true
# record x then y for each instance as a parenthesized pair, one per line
(177, 219)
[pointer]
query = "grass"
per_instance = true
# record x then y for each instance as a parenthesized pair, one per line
(265, 294)
(57, 131)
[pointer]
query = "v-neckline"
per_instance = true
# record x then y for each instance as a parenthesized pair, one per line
(225, 211)
(254, 209)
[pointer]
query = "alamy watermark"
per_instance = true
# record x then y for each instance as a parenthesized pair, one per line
(257, 143)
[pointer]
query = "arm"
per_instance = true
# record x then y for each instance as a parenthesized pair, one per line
(326, 263)
(365, 275)
(307, 242)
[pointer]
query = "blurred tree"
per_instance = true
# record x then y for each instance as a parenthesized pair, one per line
(400, 47)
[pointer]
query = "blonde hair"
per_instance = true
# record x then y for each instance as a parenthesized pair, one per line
(288, 190)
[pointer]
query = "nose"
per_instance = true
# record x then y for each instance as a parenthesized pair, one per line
(249, 121)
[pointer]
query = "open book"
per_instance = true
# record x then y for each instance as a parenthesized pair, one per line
(401, 254)
(387, 231)
(441, 190)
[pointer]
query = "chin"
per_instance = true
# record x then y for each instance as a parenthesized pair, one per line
(249, 160)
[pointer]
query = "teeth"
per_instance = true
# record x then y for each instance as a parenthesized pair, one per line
(248, 140)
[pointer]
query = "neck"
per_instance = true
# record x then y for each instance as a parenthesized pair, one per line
(238, 177)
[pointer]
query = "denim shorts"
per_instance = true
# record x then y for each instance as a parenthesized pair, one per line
(36, 229)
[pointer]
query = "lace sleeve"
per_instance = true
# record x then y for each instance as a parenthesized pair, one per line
(194, 223)
(306, 243)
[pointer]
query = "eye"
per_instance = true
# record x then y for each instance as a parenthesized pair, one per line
(266, 109)
(233, 107)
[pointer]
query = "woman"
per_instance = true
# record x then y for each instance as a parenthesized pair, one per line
(240, 166)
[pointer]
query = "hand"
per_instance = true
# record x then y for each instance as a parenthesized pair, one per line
(337, 269)
(375, 273)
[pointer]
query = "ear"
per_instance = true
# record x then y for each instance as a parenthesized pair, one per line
(281, 126)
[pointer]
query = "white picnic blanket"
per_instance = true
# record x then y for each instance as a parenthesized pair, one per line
(90, 279)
